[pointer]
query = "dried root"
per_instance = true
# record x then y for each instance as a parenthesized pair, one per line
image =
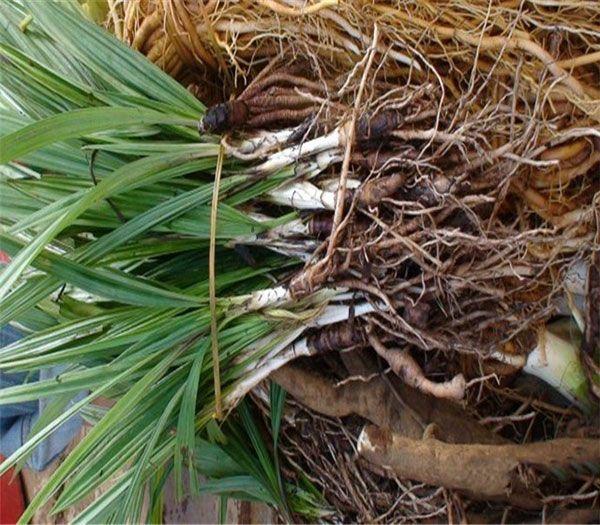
(209, 36)
(482, 471)
(375, 401)
(407, 368)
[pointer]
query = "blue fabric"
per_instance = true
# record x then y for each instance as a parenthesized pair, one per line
(17, 419)
(9, 335)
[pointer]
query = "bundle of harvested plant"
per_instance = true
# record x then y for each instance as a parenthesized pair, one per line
(106, 214)
(406, 195)
(451, 233)
(530, 145)
(455, 145)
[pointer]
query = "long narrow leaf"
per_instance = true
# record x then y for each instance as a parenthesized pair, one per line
(76, 124)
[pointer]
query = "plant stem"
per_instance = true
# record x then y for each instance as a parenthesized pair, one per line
(212, 285)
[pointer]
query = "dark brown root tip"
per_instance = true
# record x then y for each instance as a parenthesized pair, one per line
(320, 225)
(224, 117)
(338, 337)
(308, 129)
(377, 127)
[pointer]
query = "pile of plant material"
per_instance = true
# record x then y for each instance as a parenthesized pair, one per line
(454, 147)
(392, 210)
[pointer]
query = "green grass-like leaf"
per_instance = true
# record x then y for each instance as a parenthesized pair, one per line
(108, 188)
(78, 123)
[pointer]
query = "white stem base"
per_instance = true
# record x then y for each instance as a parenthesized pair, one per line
(303, 196)
(291, 155)
(288, 349)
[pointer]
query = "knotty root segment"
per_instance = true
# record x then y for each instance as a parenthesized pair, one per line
(405, 367)
(375, 401)
(255, 109)
(347, 335)
(263, 104)
(483, 471)
(373, 191)
(338, 336)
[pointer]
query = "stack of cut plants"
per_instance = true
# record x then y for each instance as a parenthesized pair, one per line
(388, 211)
